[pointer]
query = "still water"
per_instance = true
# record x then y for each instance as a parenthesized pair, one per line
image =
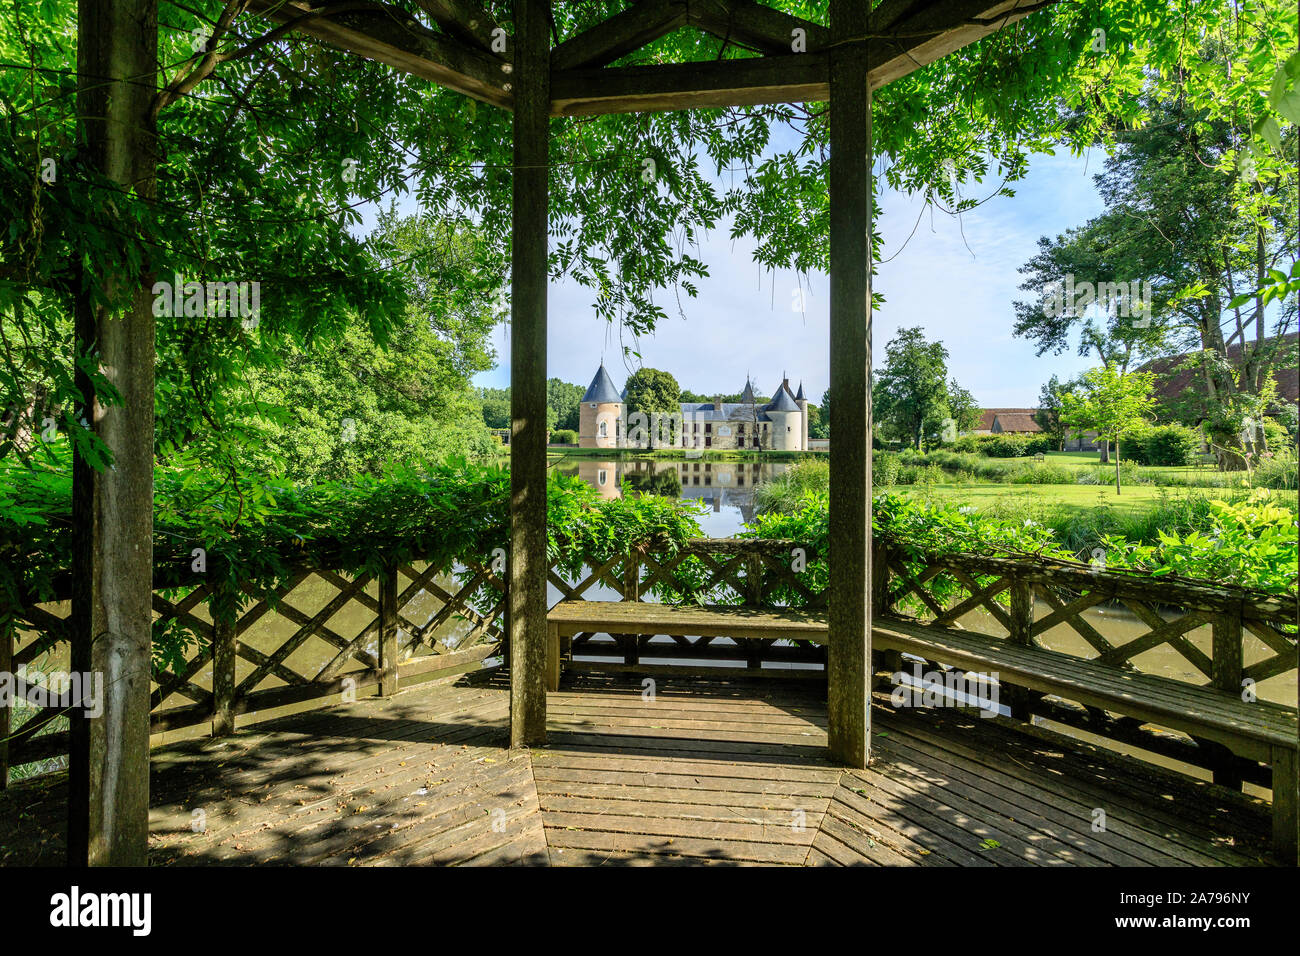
(725, 488)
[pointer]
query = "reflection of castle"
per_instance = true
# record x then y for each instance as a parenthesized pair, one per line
(779, 425)
(719, 484)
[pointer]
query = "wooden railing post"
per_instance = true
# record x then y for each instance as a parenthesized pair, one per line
(631, 592)
(890, 660)
(754, 596)
(6, 711)
(224, 647)
(1021, 613)
(1226, 668)
(388, 631)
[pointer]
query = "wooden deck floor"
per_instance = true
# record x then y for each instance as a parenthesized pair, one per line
(709, 772)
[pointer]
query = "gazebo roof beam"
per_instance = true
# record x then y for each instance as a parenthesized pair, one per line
(468, 22)
(930, 31)
(755, 26)
(752, 81)
(618, 36)
(389, 35)
(926, 31)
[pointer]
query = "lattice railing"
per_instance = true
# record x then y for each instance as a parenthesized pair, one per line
(321, 636)
(1223, 637)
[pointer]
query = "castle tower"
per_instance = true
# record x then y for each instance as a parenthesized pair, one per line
(787, 427)
(801, 400)
(600, 415)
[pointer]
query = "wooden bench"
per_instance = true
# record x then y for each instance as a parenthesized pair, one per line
(1258, 730)
(570, 618)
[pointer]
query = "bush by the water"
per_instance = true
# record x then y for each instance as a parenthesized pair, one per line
(564, 436)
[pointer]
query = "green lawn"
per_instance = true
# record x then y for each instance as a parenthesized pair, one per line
(1089, 459)
(1074, 496)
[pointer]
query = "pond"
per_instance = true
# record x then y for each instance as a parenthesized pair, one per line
(726, 488)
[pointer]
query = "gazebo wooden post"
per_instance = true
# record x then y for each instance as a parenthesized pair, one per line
(527, 562)
(112, 509)
(849, 657)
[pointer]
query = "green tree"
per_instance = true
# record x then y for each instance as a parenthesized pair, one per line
(651, 394)
(565, 400)
(495, 407)
(1200, 214)
(347, 407)
(963, 409)
(1111, 403)
(910, 394)
(818, 426)
(1048, 414)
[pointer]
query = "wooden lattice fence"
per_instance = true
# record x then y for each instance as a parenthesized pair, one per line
(324, 635)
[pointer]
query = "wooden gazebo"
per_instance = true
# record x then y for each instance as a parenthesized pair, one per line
(522, 71)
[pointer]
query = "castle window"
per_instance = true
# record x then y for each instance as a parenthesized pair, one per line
(708, 429)
(603, 430)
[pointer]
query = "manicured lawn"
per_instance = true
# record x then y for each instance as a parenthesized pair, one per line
(1133, 498)
(1074, 496)
(1089, 459)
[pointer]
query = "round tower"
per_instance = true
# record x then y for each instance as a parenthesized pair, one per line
(787, 429)
(600, 415)
(801, 400)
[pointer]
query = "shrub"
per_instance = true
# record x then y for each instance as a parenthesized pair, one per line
(564, 436)
(1278, 471)
(1044, 474)
(967, 445)
(1133, 447)
(1039, 445)
(1170, 445)
(1005, 446)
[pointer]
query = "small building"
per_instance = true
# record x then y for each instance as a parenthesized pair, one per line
(1007, 421)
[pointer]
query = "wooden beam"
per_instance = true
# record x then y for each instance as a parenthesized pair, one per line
(112, 509)
(754, 81)
(618, 36)
(526, 595)
(469, 23)
(756, 26)
(921, 36)
(849, 652)
(394, 37)
(930, 31)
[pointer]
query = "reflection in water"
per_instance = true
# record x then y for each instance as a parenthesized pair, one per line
(725, 487)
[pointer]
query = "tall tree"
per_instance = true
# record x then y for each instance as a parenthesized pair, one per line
(1048, 414)
(652, 394)
(1110, 402)
(1203, 216)
(910, 393)
(565, 400)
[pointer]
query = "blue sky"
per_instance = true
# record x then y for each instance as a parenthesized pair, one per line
(959, 290)
(957, 279)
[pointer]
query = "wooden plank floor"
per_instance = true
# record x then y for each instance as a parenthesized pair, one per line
(702, 772)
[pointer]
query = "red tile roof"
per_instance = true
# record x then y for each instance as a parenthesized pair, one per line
(1169, 385)
(988, 414)
(1017, 422)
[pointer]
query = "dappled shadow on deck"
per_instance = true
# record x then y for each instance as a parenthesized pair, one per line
(701, 772)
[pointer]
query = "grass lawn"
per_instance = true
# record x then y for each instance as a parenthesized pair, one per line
(1132, 499)
(1074, 496)
(1089, 459)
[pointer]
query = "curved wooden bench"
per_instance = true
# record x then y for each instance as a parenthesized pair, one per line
(1255, 730)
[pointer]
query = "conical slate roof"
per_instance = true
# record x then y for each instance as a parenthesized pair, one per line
(782, 402)
(747, 396)
(800, 397)
(602, 388)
